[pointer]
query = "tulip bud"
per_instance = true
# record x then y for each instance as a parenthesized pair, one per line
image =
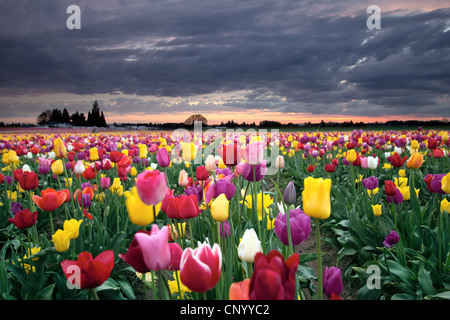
(183, 178)
(210, 163)
(289, 195)
(249, 246)
(219, 208)
(332, 281)
(162, 156)
(79, 167)
(279, 162)
(57, 167)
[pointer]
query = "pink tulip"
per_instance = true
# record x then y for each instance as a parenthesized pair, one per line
(200, 268)
(254, 153)
(183, 178)
(163, 158)
(155, 248)
(151, 186)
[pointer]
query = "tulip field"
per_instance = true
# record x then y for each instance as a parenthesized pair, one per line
(150, 215)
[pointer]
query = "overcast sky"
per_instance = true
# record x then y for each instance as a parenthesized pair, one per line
(161, 61)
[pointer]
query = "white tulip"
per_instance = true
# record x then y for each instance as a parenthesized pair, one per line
(249, 246)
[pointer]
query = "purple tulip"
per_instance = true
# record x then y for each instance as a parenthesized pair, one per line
(370, 183)
(396, 199)
(254, 173)
(332, 281)
(391, 239)
(196, 190)
(86, 200)
(436, 183)
(289, 195)
(16, 207)
(44, 170)
(300, 225)
(216, 188)
(225, 229)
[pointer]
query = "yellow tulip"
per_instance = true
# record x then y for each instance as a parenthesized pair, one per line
(72, 227)
(376, 209)
(143, 151)
(405, 192)
(445, 205)
(372, 192)
(415, 144)
(133, 172)
(261, 201)
(316, 197)
(189, 151)
(138, 212)
(57, 167)
(219, 208)
(351, 155)
(401, 182)
(59, 148)
(93, 154)
(445, 183)
(68, 182)
(61, 240)
(10, 157)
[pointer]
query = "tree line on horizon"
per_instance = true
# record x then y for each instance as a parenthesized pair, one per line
(95, 118)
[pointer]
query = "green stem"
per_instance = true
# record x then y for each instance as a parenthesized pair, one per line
(319, 259)
(94, 292)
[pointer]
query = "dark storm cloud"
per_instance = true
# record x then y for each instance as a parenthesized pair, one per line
(318, 56)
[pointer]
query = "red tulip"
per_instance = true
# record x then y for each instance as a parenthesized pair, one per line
(201, 173)
(389, 188)
(183, 207)
(311, 168)
(165, 202)
(329, 167)
(89, 173)
(87, 272)
(50, 199)
(273, 278)
(175, 256)
(396, 161)
(115, 156)
(27, 180)
(151, 186)
(231, 154)
(200, 268)
(438, 153)
(24, 219)
(134, 257)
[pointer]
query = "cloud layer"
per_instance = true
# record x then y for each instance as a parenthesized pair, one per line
(166, 57)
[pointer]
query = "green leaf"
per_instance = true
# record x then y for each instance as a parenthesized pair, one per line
(425, 281)
(46, 293)
(403, 296)
(345, 252)
(368, 294)
(443, 295)
(126, 288)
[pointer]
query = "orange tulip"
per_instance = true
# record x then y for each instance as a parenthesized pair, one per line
(239, 290)
(50, 199)
(415, 161)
